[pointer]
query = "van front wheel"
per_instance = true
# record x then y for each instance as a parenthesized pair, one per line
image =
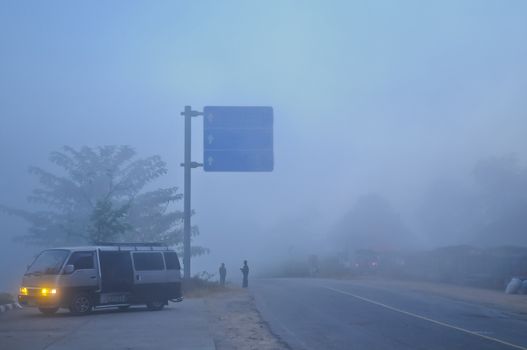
(81, 304)
(155, 305)
(48, 311)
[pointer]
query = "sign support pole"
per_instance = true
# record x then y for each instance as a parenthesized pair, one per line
(188, 113)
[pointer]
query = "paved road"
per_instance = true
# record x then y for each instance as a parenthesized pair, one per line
(330, 314)
(181, 326)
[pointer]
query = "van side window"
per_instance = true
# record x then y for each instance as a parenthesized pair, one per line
(82, 260)
(172, 261)
(148, 261)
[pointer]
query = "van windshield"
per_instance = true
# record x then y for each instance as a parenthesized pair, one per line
(48, 262)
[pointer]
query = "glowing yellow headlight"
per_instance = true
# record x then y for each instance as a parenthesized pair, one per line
(48, 291)
(23, 291)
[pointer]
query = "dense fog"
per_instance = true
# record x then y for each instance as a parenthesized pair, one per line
(397, 125)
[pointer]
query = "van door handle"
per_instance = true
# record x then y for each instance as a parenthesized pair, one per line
(138, 277)
(93, 277)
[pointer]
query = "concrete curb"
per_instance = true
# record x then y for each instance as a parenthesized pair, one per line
(7, 307)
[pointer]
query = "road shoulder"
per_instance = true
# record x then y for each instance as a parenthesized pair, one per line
(10, 306)
(236, 323)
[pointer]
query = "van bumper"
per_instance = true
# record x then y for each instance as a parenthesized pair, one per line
(38, 301)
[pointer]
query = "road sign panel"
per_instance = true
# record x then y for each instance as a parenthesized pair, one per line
(238, 138)
(242, 160)
(238, 117)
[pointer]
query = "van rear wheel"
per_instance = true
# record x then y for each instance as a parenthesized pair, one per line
(48, 311)
(81, 304)
(156, 305)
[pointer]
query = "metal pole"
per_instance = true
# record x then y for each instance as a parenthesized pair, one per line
(186, 221)
(188, 113)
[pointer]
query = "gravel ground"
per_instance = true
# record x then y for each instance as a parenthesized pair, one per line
(236, 323)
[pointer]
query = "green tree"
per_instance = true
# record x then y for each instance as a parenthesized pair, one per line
(100, 196)
(107, 223)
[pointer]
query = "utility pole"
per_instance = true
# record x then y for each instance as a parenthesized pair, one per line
(188, 113)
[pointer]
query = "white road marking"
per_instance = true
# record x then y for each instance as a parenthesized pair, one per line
(477, 334)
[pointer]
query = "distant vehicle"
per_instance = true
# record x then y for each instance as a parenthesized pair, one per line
(365, 261)
(107, 275)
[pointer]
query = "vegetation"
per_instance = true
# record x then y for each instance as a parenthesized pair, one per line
(487, 210)
(371, 224)
(201, 285)
(100, 196)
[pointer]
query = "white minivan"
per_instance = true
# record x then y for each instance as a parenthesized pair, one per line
(106, 275)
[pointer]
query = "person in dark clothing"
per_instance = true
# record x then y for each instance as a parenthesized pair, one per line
(223, 274)
(245, 272)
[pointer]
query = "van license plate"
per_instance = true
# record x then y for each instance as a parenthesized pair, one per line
(113, 298)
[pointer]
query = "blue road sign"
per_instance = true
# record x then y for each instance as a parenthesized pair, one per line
(238, 138)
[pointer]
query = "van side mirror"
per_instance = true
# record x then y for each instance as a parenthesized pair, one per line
(68, 269)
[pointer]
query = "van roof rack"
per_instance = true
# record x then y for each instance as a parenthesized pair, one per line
(150, 245)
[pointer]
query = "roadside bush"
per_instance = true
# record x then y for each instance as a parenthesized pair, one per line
(201, 285)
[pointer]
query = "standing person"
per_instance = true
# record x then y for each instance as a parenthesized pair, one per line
(223, 274)
(245, 272)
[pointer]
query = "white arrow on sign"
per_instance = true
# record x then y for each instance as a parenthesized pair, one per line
(210, 117)
(210, 160)
(210, 139)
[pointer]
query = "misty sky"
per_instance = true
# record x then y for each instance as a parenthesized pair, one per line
(382, 97)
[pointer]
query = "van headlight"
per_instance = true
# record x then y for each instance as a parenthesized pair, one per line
(23, 291)
(48, 291)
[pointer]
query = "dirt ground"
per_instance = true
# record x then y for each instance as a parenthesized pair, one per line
(514, 303)
(236, 324)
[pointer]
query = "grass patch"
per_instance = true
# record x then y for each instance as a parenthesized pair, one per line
(201, 285)
(6, 298)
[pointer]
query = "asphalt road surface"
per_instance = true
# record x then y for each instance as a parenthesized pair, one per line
(182, 326)
(317, 314)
